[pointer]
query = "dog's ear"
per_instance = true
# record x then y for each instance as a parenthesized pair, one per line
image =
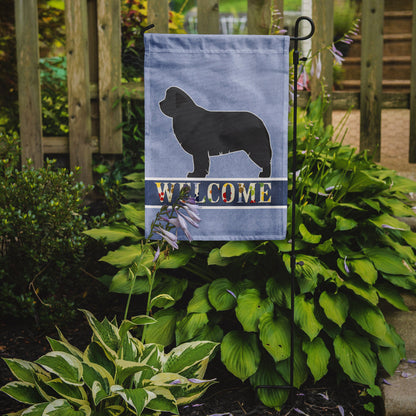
(180, 99)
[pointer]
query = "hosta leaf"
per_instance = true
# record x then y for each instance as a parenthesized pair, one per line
(306, 270)
(335, 306)
(307, 236)
(177, 258)
(35, 410)
(139, 320)
(170, 286)
(98, 379)
(362, 289)
(115, 232)
(318, 357)
(316, 213)
(409, 237)
(275, 336)
(370, 319)
(397, 207)
(136, 216)
(106, 333)
(163, 331)
(266, 375)
(114, 410)
(406, 282)
(61, 407)
(356, 358)
(387, 261)
(219, 294)
(127, 368)
(122, 282)
(240, 354)
(125, 255)
(212, 333)
(325, 248)
(365, 269)
(279, 291)
(389, 293)
(344, 224)
(73, 394)
(137, 399)
(199, 302)
(300, 368)
(363, 181)
(23, 391)
(305, 316)
(163, 402)
(190, 359)
(250, 307)
(237, 248)
(64, 365)
(190, 326)
(24, 370)
(215, 259)
(64, 346)
(389, 222)
(389, 358)
(95, 353)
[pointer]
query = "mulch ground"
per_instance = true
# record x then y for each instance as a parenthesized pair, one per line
(230, 397)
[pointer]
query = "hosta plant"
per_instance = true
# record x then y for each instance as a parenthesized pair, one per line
(115, 375)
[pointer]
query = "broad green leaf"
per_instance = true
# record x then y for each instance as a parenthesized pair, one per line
(397, 207)
(136, 216)
(279, 290)
(171, 286)
(362, 289)
(190, 359)
(24, 370)
(372, 204)
(215, 259)
(389, 293)
(219, 294)
(64, 346)
(61, 407)
(285, 247)
(139, 320)
(305, 316)
(237, 248)
(106, 333)
(316, 213)
(35, 410)
(266, 375)
(300, 368)
(240, 354)
(131, 348)
(114, 410)
(177, 258)
(114, 233)
(363, 181)
(95, 353)
(318, 357)
(365, 269)
(137, 399)
(212, 333)
(402, 184)
(190, 326)
(161, 300)
(387, 261)
(335, 306)
(64, 365)
(344, 224)
(163, 402)
(409, 237)
(356, 358)
(389, 222)
(163, 331)
(389, 358)
(127, 368)
(275, 336)
(74, 394)
(370, 319)
(122, 283)
(250, 307)
(199, 302)
(307, 236)
(405, 282)
(98, 379)
(306, 270)
(23, 391)
(325, 248)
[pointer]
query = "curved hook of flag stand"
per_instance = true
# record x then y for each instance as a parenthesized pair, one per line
(296, 60)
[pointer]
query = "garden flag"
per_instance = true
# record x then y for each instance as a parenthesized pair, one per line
(216, 116)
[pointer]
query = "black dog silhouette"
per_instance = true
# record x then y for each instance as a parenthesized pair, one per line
(204, 133)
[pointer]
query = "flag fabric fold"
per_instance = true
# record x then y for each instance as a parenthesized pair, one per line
(216, 119)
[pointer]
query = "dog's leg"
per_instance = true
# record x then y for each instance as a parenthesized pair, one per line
(263, 161)
(201, 165)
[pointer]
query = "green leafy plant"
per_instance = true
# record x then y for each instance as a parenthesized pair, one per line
(41, 224)
(114, 375)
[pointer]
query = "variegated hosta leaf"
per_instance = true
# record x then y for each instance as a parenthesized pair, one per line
(128, 368)
(114, 410)
(318, 357)
(189, 359)
(163, 402)
(94, 373)
(74, 394)
(266, 375)
(127, 325)
(64, 365)
(250, 307)
(64, 346)
(24, 370)
(23, 391)
(96, 354)
(190, 326)
(105, 332)
(183, 389)
(61, 407)
(35, 410)
(240, 353)
(131, 348)
(137, 399)
(152, 356)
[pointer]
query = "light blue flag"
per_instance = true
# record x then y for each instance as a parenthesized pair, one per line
(216, 113)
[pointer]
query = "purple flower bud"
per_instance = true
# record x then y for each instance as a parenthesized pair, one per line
(177, 381)
(341, 410)
(346, 265)
(231, 293)
(157, 254)
(386, 382)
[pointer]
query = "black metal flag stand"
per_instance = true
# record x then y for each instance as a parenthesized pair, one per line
(296, 60)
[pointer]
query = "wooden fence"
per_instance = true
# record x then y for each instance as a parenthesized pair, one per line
(94, 73)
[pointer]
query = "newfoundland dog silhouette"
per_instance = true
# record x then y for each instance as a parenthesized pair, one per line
(204, 133)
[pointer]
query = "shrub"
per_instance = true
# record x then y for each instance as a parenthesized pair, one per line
(41, 245)
(115, 374)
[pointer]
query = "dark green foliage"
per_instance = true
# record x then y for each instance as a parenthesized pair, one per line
(41, 244)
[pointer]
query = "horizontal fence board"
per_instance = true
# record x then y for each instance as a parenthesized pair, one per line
(60, 145)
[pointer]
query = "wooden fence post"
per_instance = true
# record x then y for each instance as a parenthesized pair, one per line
(259, 15)
(412, 138)
(79, 106)
(158, 14)
(208, 17)
(323, 16)
(30, 107)
(109, 75)
(371, 76)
